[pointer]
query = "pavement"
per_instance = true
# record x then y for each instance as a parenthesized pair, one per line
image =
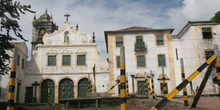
(205, 102)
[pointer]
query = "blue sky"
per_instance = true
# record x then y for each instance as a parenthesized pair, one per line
(103, 15)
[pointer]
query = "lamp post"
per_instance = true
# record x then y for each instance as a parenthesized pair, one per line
(35, 84)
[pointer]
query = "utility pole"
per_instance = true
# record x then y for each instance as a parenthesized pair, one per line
(185, 97)
(10, 105)
(123, 79)
(164, 82)
(217, 66)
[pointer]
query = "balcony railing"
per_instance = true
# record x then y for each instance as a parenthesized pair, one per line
(140, 47)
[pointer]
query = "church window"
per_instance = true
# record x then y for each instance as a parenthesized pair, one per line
(51, 60)
(141, 61)
(119, 41)
(22, 63)
(208, 54)
(161, 60)
(159, 40)
(66, 60)
(81, 60)
(18, 60)
(118, 61)
(207, 32)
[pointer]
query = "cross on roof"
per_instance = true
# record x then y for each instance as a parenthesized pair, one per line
(67, 15)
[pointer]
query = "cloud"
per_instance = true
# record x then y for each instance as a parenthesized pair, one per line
(193, 10)
(102, 15)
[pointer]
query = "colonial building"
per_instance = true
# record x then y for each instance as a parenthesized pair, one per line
(20, 50)
(63, 64)
(145, 49)
(65, 61)
(149, 49)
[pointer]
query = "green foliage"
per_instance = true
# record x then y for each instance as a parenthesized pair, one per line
(216, 18)
(35, 21)
(9, 14)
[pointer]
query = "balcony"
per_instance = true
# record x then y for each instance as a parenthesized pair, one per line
(140, 47)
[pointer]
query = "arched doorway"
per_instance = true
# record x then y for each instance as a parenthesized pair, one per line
(82, 87)
(47, 91)
(66, 89)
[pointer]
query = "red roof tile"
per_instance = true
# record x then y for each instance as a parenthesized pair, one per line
(135, 28)
(15, 43)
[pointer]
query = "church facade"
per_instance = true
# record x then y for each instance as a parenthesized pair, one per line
(63, 64)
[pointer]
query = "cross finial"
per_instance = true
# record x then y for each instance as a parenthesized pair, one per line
(93, 37)
(67, 15)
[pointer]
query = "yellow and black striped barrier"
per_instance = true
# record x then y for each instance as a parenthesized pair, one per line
(89, 86)
(48, 97)
(185, 97)
(123, 79)
(73, 94)
(146, 86)
(218, 75)
(182, 85)
(152, 84)
(127, 85)
(202, 85)
(113, 86)
(217, 64)
(10, 105)
(165, 92)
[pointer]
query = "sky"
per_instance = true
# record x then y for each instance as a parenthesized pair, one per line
(105, 15)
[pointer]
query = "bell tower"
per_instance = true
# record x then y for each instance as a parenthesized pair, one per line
(44, 24)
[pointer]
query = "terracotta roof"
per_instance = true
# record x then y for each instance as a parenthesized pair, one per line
(15, 43)
(135, 28)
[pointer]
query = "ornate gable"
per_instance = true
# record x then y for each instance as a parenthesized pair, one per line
(66, 36)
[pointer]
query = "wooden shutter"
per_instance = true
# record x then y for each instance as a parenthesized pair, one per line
(118, 61)
(159, 39)
(161, 60)
(119, 41)
(66, 60)
(141, 61)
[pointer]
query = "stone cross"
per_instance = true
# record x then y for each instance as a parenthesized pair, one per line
(67, 15)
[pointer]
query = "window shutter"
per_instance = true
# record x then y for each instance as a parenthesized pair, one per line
(66, 59)
(209, 54)
(159, 39)
(81, 60)
(51, 60)
(161, 60)
(141, 61)
(118, 61)
(119, 41)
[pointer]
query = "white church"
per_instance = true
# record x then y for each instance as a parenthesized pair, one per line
(64, 61)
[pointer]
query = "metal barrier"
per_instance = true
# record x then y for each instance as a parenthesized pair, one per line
(182, 85)
(113, 86)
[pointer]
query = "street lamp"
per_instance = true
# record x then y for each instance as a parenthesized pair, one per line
(35, 94)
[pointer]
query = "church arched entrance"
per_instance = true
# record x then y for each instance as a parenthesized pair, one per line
(47, 91)
(82, 87)
(66, 89)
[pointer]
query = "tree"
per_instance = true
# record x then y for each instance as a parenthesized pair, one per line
(9, 14)
(216, 18)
